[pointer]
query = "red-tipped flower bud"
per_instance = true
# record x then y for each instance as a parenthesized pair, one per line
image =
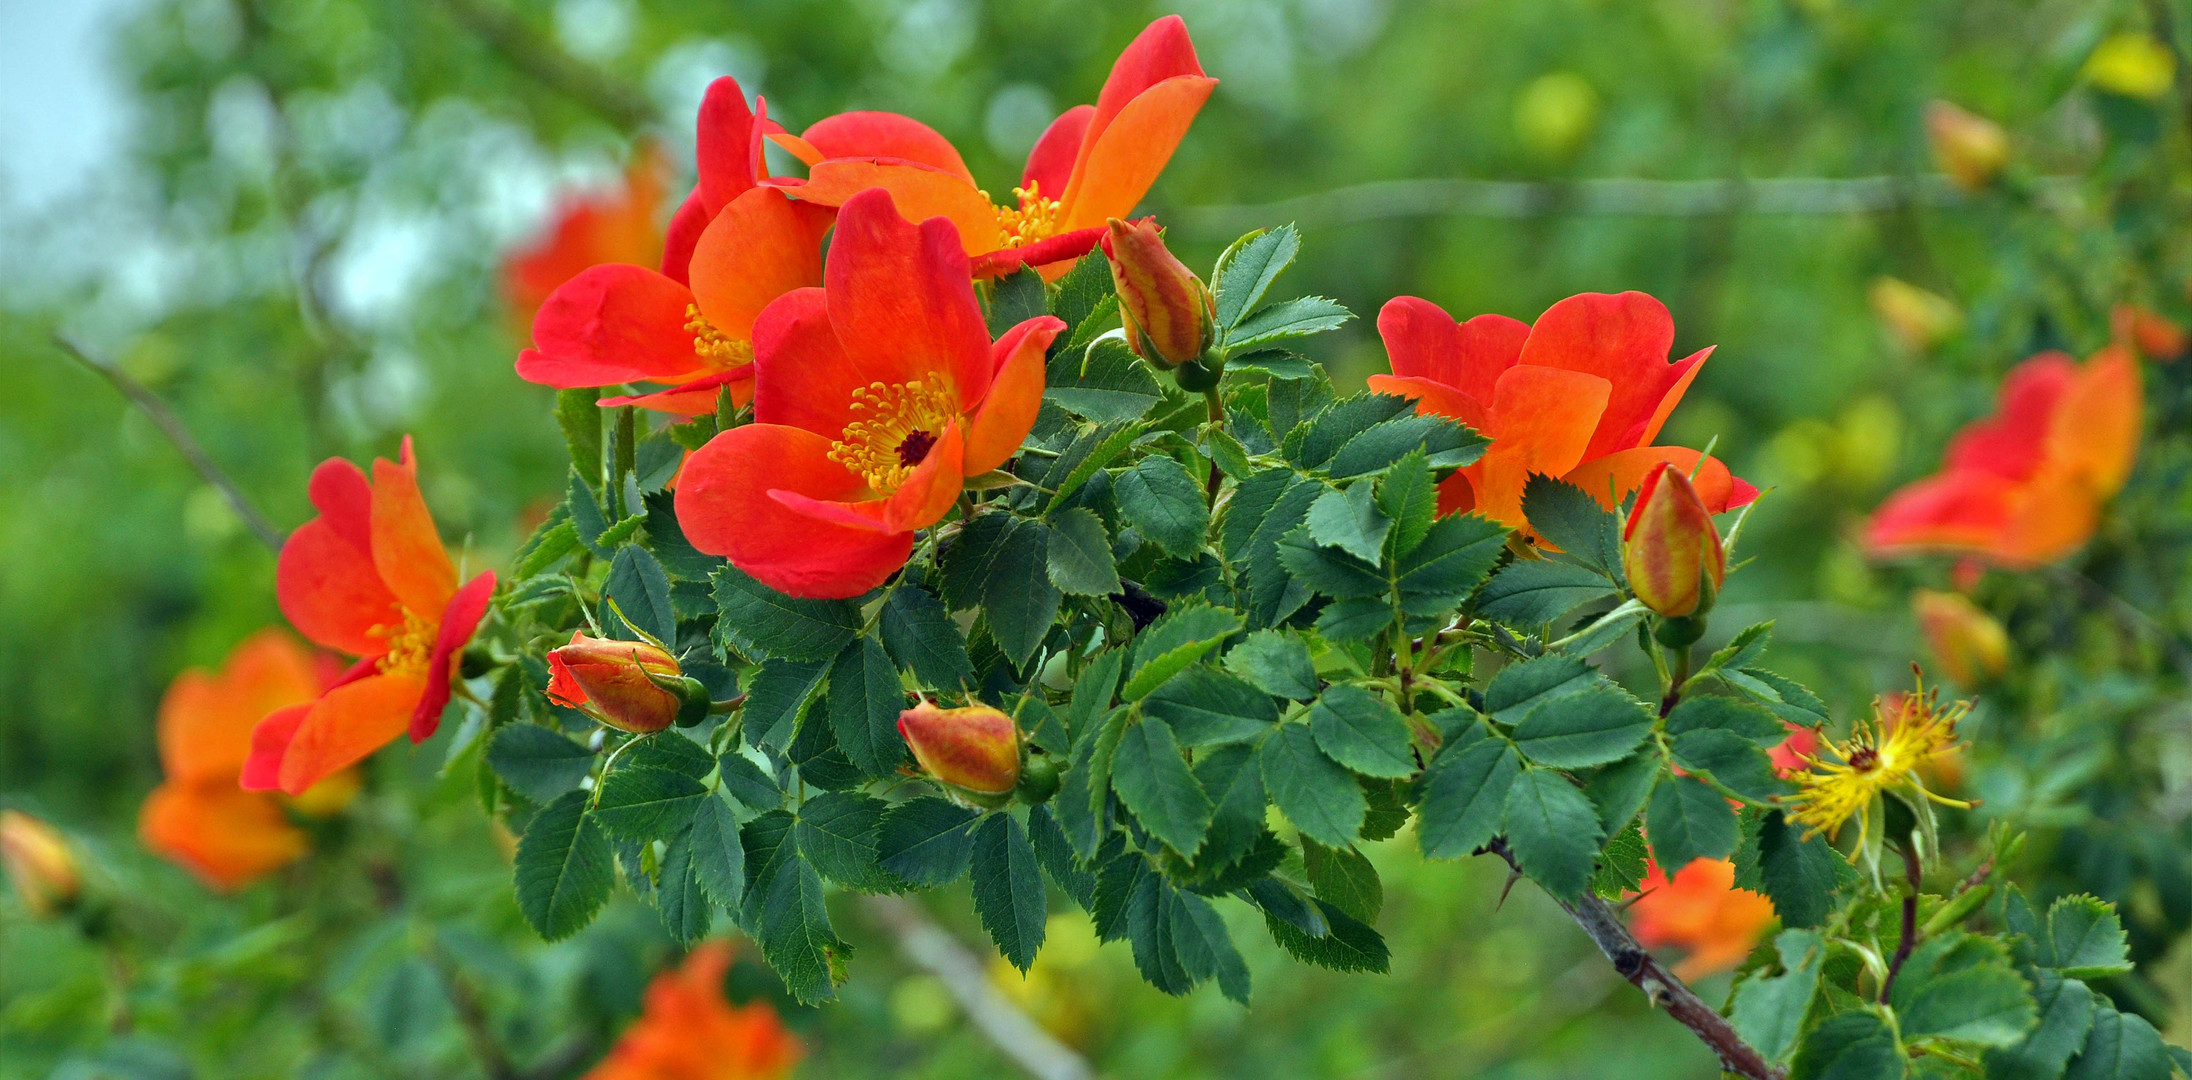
(1970, 148)
(620, 683)
(975, 749)
(1669, 547)
(39, 862)
(1167, 311)
(2156, 336)
(1971, 646)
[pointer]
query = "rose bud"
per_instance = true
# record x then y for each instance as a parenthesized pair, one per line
(634, 686)
(1669, 547)
(39, 863)
(2155, 336)
(1169, 317)
(1971, 646)
(1970, 148)
(975, 750)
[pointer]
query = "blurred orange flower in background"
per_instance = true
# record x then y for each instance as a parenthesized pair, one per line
(1701, 912)
(613, 226)
(2025, 486)
(368, 577)
(1579, 395)
(689, 1031)
(1095, 162)
(198, 816)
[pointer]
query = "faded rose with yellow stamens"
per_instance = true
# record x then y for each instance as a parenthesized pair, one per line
(975, 749)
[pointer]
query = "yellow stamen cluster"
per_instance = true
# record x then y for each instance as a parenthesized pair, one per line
(895, 427)
(410, 645)
(1884, 752)
(1036, 218)
(716, 349)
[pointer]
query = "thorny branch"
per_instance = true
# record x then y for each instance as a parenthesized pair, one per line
(1665, 990)
(172, 426)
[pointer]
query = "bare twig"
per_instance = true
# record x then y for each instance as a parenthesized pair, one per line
(1613, 196)
(1634, 963)
(172, 426)
(935, 951)
(535, 54)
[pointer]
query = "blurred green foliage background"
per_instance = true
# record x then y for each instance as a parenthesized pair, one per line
(300, 251)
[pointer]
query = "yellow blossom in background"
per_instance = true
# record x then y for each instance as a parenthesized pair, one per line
(39, 862)
(1970, 148)
(1056, 990)
(1916, 318)
(1969, 643)
(2132, 64)
(1556, 113)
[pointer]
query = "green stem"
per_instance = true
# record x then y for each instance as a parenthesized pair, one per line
(1217, 420)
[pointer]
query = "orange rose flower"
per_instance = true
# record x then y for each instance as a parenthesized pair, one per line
(198, 817)
(1092, 164)
(689, 1032)
(616, 226)
(368, 577)
(1701, 912)
(732, 248)
(875, 396)
(1580, 395)
(2025, 486)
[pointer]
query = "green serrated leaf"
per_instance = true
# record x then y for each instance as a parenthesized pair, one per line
(921, 637)
(1153, 780)
(1207, 707)
(579, 416)
(926, 841)
(1350, 944)
(1464, 795)
(1008, 889)
(1299, 317)
(1688, 820)
(718, 856)
(1247, 269)
(1553, 831)
(1104, 381)
(1277, 662)
(785, 911)
(1409, 496)
(2120, 1046)
(865, 699)
(686, 909)
(1359, 730)
(2066, 1008)
(1166, 504)
(1854, 1045)
(1080, 554)
(766, 624)
(1572, 520)
(2083, 939)
(1313, 791)
(1622, 866)
(1351, 521)
(1769, 1011)
(1962, 988)
(837, 834)
(564, 868)
(646, 803)
(538, 763)
(1530, 593)
(1798, 874)
(1519, 688)
(1344, 878)
(1737, 763)
(1596, 725)
(1015, 298)
(1179, 637)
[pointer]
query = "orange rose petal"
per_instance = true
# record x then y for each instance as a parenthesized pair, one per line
(901, 299)
(1432, 397)
(1622, 338)
(346, 725)
(886, 135)
(1050, 161)
(331, 591)
(406, 548)
(921, 500)
(727, 146)
(696, 398)
(1611, 478)
(1130, 152)
(920, 192)
(1540, 420)
(270, 739)
(803, 377)
(1002, 421)
(761, 246)
(1422, 341)
(1161, 51)
(227, 837)
(2012, 442)
(615, 323)
(1686, 371)
(2094, 433)
(1966, 512)
(206, 719)
(724, 505)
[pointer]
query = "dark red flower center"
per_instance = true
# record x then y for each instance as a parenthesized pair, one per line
(915, 448)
